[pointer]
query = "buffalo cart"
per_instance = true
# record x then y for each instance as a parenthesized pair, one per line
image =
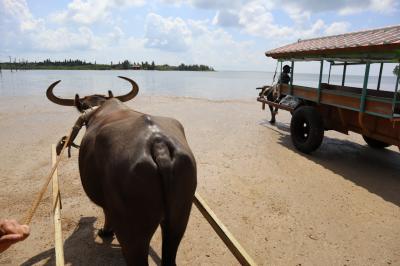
(372, 112)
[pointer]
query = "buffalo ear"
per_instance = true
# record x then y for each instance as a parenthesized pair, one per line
(110, 94)
(78, 103)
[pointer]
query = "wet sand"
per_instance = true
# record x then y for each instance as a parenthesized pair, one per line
(339, 206)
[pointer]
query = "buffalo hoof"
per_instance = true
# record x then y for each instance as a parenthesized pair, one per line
(104, 233)
(272, 121)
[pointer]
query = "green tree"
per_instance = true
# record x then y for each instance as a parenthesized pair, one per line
(126, 64)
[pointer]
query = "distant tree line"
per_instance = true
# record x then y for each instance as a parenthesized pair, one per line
(83, 65)
(49, 64)
(152, 66)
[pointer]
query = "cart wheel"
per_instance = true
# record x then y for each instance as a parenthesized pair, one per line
(306, 129)
(376, 144)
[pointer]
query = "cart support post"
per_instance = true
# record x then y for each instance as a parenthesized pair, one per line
(364, 90)
(329, 75)
(379, 77)
(320, 80)
(396, 90)
(344, 73)
(291, 78)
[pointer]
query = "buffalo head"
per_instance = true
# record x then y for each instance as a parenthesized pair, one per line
(92, 100)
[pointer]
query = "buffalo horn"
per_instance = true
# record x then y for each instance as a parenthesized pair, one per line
(50, 95)
(132, 93)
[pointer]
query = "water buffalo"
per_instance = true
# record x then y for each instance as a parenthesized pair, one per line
(138, 168)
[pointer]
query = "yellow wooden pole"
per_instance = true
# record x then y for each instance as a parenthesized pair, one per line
(58, 240)
(230, 241)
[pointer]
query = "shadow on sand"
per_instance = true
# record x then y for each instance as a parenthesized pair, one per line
(81, 249)
(376, 170)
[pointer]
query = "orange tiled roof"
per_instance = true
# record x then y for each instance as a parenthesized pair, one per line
(375, 40)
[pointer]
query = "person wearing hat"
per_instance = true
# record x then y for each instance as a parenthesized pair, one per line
(285, 78)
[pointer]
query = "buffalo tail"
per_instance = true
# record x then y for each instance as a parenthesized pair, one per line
(162, 157)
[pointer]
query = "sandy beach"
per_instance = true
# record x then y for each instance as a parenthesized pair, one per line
(339, 206)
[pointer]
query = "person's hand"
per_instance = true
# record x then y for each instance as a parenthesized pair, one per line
(11, 232)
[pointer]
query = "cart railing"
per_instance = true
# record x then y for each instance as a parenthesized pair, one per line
(378, 103)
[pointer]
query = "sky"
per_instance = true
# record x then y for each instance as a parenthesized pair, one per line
(224, 34)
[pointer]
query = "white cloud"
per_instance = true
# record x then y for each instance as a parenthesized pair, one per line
(90, 11)
(117, 35)
(253, 16)
(169, 34)
(62, 39)
(226, 18)
(337, 28)
(216, 4)
(257, 20)
(383, 6)
(219, 49)
(17, 10)
(343, 7)
(297, 8)
(209, 4)
(87, 12)
(198, 27)
(298, 16)
(256, 17)
(197, 43)
(22, 31)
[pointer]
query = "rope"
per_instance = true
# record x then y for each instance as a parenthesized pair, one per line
(273, 81)
(29, 214)
(276, 69)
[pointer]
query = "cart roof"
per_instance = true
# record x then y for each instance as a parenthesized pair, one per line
(377, 44)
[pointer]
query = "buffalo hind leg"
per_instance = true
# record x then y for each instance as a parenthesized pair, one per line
(134, 234)
(136, 252)
(172, 233)
(106, 231)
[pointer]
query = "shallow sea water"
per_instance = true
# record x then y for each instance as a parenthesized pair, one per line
(219, 85)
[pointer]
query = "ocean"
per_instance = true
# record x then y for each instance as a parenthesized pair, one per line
(218, 85)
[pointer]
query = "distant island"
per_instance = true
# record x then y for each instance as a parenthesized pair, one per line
(83, 65)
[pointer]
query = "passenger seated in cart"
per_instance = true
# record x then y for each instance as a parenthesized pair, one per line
(285, 77)
(272, 92)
